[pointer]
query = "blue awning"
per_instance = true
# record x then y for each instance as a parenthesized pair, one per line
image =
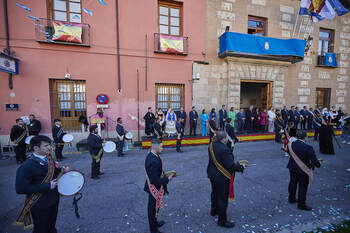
(247, 45)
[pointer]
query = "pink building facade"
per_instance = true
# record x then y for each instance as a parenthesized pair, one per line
(62, 79)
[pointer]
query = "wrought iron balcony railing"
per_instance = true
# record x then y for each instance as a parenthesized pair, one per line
(45, 33)
(170, 44)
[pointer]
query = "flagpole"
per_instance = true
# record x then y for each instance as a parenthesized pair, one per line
(295, 25)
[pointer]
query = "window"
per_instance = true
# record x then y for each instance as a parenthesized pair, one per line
(323, 97)
(68, 102)
(66, 10)
(170, 15)
(169, 96)
(257, 26)
(325, 41)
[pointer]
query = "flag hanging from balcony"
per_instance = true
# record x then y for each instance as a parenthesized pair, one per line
(331, 60)
(338, 7)
(67, 32)
(317, 9)
(171, 44)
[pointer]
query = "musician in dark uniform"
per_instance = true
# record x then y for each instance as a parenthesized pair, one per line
(284, 113)
(304, 113)
(231, 134)
(224, 163)
(18, 136)
(120, 136)
(180, 134)
(155, 185)
(212, 127)
(297, 176)
(317, 125)
(95, 146)
(278, 123)
(36, 178)
(158, 129)
(291, 114)
(149, 120)
(34, 126)
(57, 134)
(310, 118)
(193, 121)
(182, 115)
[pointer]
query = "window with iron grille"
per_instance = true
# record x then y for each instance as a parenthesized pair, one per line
(170, 96)
(68, 102)
(170, 18)
(65, 10)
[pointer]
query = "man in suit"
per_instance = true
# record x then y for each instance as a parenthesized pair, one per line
(317, 122)
(284, 113)
(221, 169)
(155, 185)
(34, 126)
(18, 136)
(249, 119)
(182, 115)
(310, 118)
(298, 176)
(222, 116)
(149, 120)
(180, 134)
(95, 146)
(212, 128)
(193, 121)
(232, 139)
(120, 136)
(158, 129)
(291, 115)
(240, 116)
(304, 113)
(36, 178)
(297, 117)
(57, 134)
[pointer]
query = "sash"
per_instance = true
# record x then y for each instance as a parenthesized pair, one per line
(16, 142)
(157, 194)
(223, 171)
(24, 217)
(229, 138)
(300, 163)
(59, 132)
(98, 156)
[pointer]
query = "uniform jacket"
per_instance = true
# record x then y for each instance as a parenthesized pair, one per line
(182, 115)
(57, 134)
(222, 114)
(154, 170)
(179, 128)
(231, 132)
(240, 116)
(29, 179)
(317, 122)
(120, 129)
(291, 115)
(17, 131)
(193, 117)
(284, 113)
(306, 154)
(34, 127)
(94, 142)
(224, 157)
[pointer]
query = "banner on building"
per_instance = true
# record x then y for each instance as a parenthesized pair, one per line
(171, 44)
(331, 60)
(67, 32)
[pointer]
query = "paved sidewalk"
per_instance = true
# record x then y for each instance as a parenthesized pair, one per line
(117, 202)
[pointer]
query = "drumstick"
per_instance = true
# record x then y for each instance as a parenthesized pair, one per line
(250, 165)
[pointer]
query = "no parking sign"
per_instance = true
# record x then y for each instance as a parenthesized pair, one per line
(102, 99)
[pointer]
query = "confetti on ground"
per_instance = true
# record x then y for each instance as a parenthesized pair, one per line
(33, 17)
(348, 169)
(102, 2)
(24, 7)
(87, 11)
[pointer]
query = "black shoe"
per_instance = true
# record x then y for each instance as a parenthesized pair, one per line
(227, 224)
(160, 223)
(213, 213)
(100, 173)
(292, 200)
(179, 151)
(304, 207)
(95, 177)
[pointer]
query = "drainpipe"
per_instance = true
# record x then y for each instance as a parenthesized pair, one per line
(118, 54)
(7, 50)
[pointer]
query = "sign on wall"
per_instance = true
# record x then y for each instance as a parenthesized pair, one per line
(8, 64)
(102, 99)
(12, 107)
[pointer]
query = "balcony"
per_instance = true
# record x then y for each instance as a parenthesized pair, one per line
(67, 33)
(329, 60)
(234, 44)
(170, 44)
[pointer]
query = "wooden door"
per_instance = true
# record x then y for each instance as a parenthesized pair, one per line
(263, 97)
(323, 97)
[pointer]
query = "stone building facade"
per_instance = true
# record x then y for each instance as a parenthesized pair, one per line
(221, 80)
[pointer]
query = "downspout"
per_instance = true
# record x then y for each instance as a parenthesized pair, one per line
(7, 50)
(118, 53)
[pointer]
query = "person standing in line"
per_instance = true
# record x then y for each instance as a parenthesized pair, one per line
(120, 136)
(291, 113)
(204, 123)
(193, 121)
(263, 116)
(170, 128)
(95, 146)
(310, 118)
(298, 118)
(249, 119)
(222, 116)
(271, 118)
(34, 126)
(256, 121)
(18, 136)
(180, 134)
(317, 122)
(279, 126)
(212, 128)
(304, 114)
(240, 120)
(284, 113)
(232, 115)
(149, 120)
(57, 134)
(212, 114)
(326, 137)
(182, 115)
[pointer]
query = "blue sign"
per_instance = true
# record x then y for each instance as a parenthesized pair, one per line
(102, 99)
(12, 107)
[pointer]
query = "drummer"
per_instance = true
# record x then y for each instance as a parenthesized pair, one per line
(36, 178)
(18, 135)
(120, 136)
(57, 134)
(94, 142)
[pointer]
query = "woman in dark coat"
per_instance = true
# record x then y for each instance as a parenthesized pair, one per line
(256, 121)
(326, 138)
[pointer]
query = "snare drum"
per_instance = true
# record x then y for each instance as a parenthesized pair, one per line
(128, 136)
(67, 138)
(27, 141)
(109, 147)
(71, 183)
